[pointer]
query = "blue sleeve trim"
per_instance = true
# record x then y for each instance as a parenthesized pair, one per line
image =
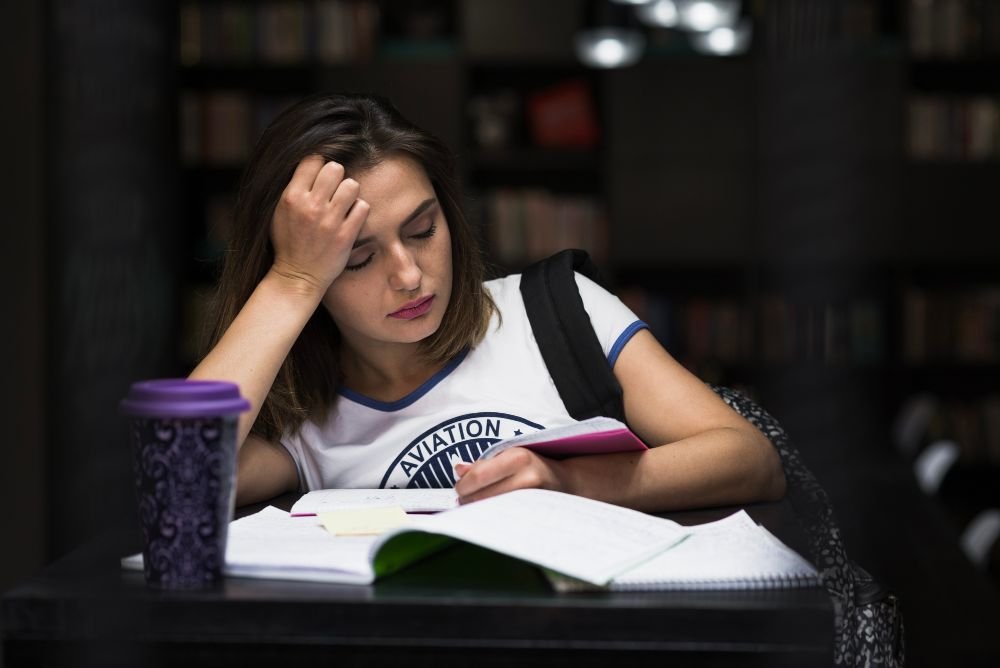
(400, 404)
(624, 338)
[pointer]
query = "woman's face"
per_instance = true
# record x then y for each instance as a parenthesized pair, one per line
(397, 283)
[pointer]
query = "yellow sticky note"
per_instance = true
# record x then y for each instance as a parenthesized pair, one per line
(363, 521)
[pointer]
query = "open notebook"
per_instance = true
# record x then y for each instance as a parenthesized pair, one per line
(577, 541)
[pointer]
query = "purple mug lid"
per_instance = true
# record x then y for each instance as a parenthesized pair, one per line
(180, 397)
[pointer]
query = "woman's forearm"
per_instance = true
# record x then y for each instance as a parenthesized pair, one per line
(721, 466)
(257, 342)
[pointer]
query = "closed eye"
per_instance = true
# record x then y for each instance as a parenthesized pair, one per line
(426, 234)
(360, 265)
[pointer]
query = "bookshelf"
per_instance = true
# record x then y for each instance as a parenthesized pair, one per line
(756, 232)
(946, 283)
(949, 290)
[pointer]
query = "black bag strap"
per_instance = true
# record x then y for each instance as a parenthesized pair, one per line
(566, 338)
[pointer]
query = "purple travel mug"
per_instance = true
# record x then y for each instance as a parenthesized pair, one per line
(183, 438)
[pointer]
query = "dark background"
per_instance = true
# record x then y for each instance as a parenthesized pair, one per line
(785, 172)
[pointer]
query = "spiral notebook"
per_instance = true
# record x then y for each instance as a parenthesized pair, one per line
(732, 553)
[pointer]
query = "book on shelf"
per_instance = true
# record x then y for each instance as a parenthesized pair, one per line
(218, 127)
(834, 333)
(531, 223)
(563, 116)
(572, 537)
(216, 34)
(951, 325)
(228, 34)
(219, 208)
(190, 128)
(776, 330)
(954, 128)
(952, 29)
(697, 329)
(282, 33)
(346, 31)
(914, 315)
(417, 29)
(866, 332)
(189, 34)
(290, 32)
(226, 127)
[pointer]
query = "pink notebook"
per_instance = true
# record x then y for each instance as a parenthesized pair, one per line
(598, 435)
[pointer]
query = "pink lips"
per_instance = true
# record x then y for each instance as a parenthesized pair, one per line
(414, 309)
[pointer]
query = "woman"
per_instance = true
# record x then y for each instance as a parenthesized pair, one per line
(353, 315)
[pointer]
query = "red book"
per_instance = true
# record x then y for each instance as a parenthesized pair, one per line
(563, 116)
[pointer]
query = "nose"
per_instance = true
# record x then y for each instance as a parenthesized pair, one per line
(404, 272)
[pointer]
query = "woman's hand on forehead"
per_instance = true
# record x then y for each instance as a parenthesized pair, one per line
(315, 224)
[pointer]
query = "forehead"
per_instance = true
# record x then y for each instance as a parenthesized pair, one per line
(398, 182)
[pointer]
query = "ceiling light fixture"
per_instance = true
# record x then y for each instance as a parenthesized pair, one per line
(706, 15)
(659, 13)
(723, 41)
(609, 47)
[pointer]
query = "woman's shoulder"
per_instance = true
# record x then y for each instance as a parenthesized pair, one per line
(504, 290)
(509, 287)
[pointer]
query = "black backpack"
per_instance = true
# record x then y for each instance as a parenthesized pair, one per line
(869, 624)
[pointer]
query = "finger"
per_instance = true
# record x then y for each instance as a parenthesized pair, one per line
(305, 173)
(502, 486)
(327, 180)
(350, 228)
(482, 474)
(344, 199)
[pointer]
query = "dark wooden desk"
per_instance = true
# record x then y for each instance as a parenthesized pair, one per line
(83, 610)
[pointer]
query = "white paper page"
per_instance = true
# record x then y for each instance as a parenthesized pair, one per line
(579, 537)
(271, 544)
(282, 546)
(410, 500)
(731, 553)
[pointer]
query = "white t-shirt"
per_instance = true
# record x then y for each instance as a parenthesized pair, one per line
(494, 391)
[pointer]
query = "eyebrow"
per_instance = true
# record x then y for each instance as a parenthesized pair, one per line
(422, 207)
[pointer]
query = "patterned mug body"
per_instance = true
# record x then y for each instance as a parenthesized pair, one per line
(184, 473)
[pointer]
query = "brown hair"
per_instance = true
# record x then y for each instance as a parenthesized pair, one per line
(358, 131)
